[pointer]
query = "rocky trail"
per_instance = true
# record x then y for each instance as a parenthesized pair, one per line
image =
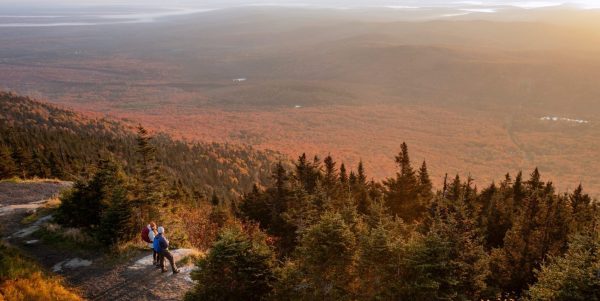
(95, 274)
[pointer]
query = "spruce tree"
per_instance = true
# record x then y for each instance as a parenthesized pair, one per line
(324, 264)
(455, 191)
(330, 177)
(402, 191)
(239, 266)
(572, 277)
(22, 159)
(214, 199)
(534, 183)
(343, 175)
(362, 177)
(85, 204)
(8, 168)
(56, 170)
(117, 224)
(518, 191)
(583, 210)
(540, 229)
(425, 185)
(151, 188)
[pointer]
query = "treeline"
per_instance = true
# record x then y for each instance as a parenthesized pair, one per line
(314, 230)
(322, 232)
(40, 140)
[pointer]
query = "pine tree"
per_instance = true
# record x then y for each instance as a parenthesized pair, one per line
(352, 179)
(239, 266)
(496, 213)
(455, 191)
(447, 263)
(583, 210)
(573, 276)
(56, 170)
(380, 252)
(308, 173)
(85, 204)
(535, 182)
(325, 263)
(22, 159)
(8, 168)
(518, 190)
(362, 177)
(344, 183)
(425, 185)
(151, 185)
(343, 175)
(540, 229)
(117, 224)
(402, 191)
(214, 199)
(330, 177)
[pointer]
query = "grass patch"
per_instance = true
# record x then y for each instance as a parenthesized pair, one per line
(66, 238)
(48, 208)
(12, 180)
(124, 252)
(191, 258)
(22, 279)
(32, 180)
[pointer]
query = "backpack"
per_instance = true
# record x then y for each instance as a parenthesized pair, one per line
(145, 236)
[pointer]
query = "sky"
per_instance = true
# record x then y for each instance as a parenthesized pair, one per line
(50, 13)
(584, 4)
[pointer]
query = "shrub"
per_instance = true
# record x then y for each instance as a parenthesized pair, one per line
(22, 279)
(238, 267)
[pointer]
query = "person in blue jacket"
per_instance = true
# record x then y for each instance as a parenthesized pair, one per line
(161, 246)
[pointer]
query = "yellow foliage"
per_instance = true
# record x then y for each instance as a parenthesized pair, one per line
(35, 287)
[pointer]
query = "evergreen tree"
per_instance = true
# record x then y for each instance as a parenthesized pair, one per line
(151, 184)
(496, 213)
(22, 158)
(535, 182)
(325, 263)
(214, 199)
(352, 179)
(362, 177)
(117, 224)
(281, 179)
(308, 173)
(380, 252)
(539, 230)
(330, 177)
(402, 191)
(425, 185)
(8, 168)
(343, 175)
(256, 206)
(455, 191)
(447, 263)
(85, 204)
(518, 190)
(583, 210)
(56, 170)
(573, 276)
(239, 266)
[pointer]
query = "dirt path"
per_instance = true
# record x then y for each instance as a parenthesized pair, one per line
(96, 275)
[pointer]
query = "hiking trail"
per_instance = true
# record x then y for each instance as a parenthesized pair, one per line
(93, 273)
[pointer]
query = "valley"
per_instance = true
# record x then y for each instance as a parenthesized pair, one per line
(466, 94)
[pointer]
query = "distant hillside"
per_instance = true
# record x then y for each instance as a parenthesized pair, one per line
(469, 95)
(41, 140)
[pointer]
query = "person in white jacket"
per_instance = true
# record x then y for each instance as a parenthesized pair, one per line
(151, 234)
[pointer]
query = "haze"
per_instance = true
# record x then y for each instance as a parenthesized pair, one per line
(476, 87)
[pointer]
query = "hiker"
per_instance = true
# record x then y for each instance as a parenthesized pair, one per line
(148, 234)
(161, 246)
